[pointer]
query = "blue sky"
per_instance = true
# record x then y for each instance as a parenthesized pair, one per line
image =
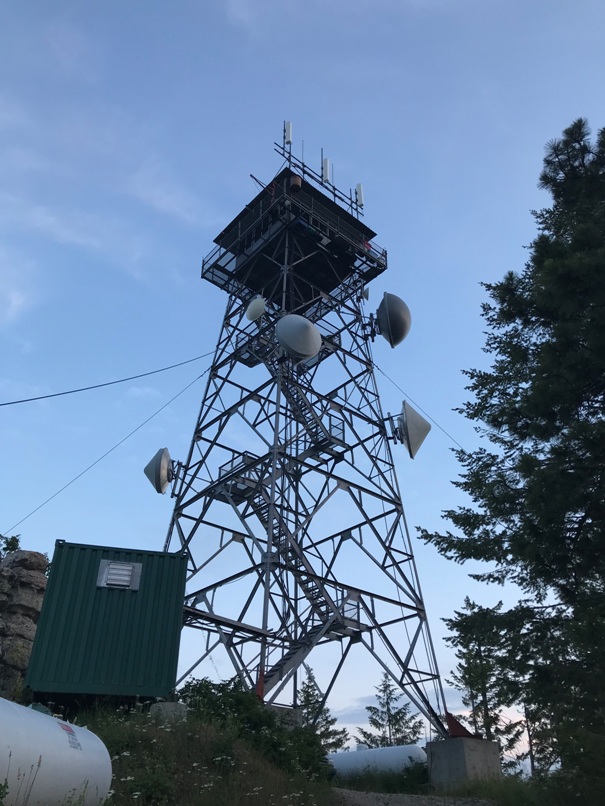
(128, 133)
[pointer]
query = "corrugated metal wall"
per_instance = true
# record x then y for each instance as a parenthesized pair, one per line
(110, 641)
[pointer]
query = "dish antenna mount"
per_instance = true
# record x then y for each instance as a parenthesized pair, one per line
(410, 428)
(394, 319)
(160, 470)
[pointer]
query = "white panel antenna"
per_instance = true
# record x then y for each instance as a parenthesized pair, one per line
(359, 194)
(325, 170)
(288, 133)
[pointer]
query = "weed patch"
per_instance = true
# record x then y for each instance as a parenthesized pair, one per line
(412, 781)
(195, 762)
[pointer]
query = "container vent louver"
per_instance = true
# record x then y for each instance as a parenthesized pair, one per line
(126, 576)
(119, 575)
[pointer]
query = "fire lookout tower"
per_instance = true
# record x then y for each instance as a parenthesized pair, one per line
(288, 504)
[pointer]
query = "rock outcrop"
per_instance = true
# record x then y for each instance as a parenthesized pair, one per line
(22, 586)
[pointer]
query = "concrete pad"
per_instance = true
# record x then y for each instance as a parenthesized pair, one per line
(454, 761)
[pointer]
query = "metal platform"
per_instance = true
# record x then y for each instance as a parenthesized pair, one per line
(323, 245)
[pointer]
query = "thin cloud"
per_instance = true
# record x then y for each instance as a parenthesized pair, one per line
(12, 114)
(356, 713)
(262, 18)
(20, 159)
(243, 14)
(12, 303)
(143, 392)
(259, 17)
(62, 226)
(95, 232)
(17, 390)
(16, 295)
(71, 50)
(153, 185)
(103, 143)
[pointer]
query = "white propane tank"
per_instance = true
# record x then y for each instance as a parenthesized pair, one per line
(377, 759)
(47, 761)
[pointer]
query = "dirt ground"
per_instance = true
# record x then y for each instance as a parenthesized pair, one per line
(347, 797)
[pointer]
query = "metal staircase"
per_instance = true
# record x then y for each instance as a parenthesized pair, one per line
(294, 657)
(287, 553)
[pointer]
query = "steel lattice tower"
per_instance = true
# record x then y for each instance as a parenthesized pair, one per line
(288, 504)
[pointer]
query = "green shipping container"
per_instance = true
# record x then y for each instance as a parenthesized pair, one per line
(110, 623)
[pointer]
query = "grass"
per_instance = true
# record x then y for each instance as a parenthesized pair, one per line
(508, 791)
(557, 789)
(411, 781)
(194, 762)
(200, 761)
(231, 750)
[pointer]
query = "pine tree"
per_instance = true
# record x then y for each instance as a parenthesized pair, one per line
(318, 717)
(482, 677)
(9, 544)
(393, 725)
(537, 493)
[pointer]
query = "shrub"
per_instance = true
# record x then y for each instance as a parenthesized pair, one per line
(241, 715)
